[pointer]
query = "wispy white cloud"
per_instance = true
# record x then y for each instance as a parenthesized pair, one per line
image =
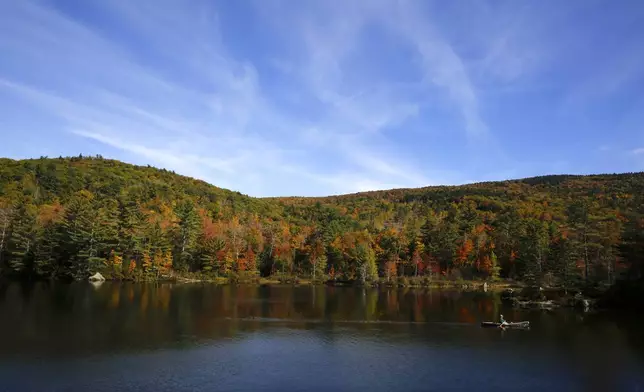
(333, 43)
(207, 118)
(638, 151)
(320, 97)
(442, 66)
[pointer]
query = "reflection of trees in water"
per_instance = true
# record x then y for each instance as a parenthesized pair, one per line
(204, 302)
(79, 317)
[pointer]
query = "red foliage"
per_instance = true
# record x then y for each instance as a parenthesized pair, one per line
(486, 264)
(464, 252)
(247, 261)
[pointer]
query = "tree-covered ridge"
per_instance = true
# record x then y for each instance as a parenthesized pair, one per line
(68, 217)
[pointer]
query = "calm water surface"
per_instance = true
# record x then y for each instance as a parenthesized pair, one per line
(203, 337)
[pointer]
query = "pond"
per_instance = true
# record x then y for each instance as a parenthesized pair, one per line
(128, 336)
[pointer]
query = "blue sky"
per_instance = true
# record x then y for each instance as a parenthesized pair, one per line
(273, 97)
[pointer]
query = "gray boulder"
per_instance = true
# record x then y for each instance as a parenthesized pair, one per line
(97, 277)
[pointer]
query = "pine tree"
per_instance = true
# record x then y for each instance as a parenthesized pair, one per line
(565, 256)
(82, 235)
(46, 253)
(107, 228)
(132, 230)
(209, 249)
(581, 220)
(534, 251)
(6, 216)
(186, 234)
(632, 246)
(49, 244)
(22, 239)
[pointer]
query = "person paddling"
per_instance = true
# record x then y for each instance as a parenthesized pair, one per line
(503, 322)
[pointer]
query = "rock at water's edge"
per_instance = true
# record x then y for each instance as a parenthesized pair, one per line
(508, 294)
(518, 303)
(97, 277)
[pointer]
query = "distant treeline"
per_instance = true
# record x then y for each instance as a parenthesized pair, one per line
(70, 217)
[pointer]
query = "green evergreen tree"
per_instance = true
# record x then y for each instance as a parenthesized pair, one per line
(631, 248)
(107, 227)
(208, 249)
(132, 236)
(581, 221)
(533, 251)
(186, 233)
(6, 217)
(82, 234)
(22, 239)
(46, 253)
(75, 211)
(565, 254)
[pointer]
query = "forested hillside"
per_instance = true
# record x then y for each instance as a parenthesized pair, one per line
(69, 217)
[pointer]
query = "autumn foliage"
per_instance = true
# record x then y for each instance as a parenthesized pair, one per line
(67, 217)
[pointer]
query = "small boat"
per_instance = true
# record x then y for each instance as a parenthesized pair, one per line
(492, 324)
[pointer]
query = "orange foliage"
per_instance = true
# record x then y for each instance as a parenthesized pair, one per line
(250, 260)
(50, 213)
(480, 229)
(132, 266)
(464, 252)
(115, 261)
(210, 229)
(486, 264)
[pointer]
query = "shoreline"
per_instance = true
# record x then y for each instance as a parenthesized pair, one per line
(405, 282)
(465, 285)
